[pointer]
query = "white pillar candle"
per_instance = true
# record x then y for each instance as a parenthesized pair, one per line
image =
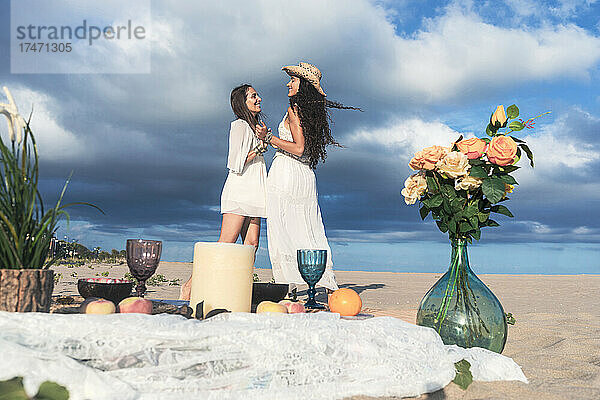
(222, 276)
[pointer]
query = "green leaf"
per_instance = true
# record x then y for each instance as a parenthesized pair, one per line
(434, 201)
(424, 211)
(472, 209)
(432, 185)
(442, 226)
(452, 226)
(500, 209)
(477, 234)
(478, 172)
(464, 227)
(509, 180)
(476, 162)
(483, 216)
(509, 168)
(457, 205)
(52, 391)
(516, 126)
(463, 377)
(528, 152)
(12, 389)
(512, 111)
(510, 319)
(491, 222)
(474, 221)
(493, 189)
(491, 130)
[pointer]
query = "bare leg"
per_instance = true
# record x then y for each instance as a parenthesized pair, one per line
(230, 230)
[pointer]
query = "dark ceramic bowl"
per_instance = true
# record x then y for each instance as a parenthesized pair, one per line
(114, 290)
(268, 291)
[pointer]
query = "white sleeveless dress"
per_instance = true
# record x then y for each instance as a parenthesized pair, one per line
(293, 216)
(244, 192)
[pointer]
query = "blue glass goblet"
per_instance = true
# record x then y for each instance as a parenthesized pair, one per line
(311, 264)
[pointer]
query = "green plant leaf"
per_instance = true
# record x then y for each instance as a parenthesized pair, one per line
(474, 221)
(493, 189)
(52, 391)
(476, 162)
(478, 172)
(477, 234)
(528, 152)
(509, 180)
(434, 201)
(490, 130)
(509, 168)
(483, 216)
(424, 211)
(442, 226)
(452, 226)
(463, 377)
(510, 320)
(432, 185)
(12, 389)
(516, 126)
(472, 209)
(500, 209)
(512, 111)
(464, 227)
(491, 222)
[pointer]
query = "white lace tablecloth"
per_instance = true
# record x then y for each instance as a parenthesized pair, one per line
(234, 356)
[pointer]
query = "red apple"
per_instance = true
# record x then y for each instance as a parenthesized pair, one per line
(135, 305)
(293, 307)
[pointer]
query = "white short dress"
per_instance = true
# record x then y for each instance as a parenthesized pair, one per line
(244, 192)
(293, 216)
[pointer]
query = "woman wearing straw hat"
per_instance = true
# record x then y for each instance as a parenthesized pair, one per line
(244, 193)
(293, 215)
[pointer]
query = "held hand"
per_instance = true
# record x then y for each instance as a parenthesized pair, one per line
(261, 130)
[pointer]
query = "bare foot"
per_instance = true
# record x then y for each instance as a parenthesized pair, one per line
(186, 290)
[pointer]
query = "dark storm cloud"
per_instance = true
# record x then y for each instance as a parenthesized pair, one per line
(154, 146)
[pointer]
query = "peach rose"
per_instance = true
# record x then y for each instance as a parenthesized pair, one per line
(414, 187)
(467, 183)
(473, 148)
(498, 117)
(428, 157)
(502, 150)
(454, 165)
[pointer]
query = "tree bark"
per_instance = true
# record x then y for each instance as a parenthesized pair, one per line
(26, 290)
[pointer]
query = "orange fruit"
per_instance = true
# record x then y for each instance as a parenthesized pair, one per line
(345, 302)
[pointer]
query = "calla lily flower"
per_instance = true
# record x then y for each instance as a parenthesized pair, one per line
(15, 121)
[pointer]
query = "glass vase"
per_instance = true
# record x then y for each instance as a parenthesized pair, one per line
(462, 309)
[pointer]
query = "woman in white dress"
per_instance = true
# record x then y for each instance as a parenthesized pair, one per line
(293, 215)
(244, 193)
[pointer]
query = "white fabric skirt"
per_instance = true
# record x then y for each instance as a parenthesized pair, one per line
(294, 220)
(244, 194)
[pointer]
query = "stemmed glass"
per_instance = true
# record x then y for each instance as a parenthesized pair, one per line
(311, 264)
(142, 258)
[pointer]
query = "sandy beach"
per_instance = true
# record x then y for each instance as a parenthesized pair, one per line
(556, 338)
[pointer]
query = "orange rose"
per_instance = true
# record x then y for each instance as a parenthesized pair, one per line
(428, 157)
(473, 148)
(502, 150)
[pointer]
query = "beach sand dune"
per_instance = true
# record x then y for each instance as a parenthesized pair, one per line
(556, 338)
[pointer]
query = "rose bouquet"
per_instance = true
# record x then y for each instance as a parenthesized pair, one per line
(461, 185)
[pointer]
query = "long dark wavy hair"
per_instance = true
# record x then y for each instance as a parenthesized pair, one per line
(240, 109)
(314, 119)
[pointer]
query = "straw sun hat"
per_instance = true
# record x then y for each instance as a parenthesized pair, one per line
(308, 72)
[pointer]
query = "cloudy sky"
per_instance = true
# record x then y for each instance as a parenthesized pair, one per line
(151, 148)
